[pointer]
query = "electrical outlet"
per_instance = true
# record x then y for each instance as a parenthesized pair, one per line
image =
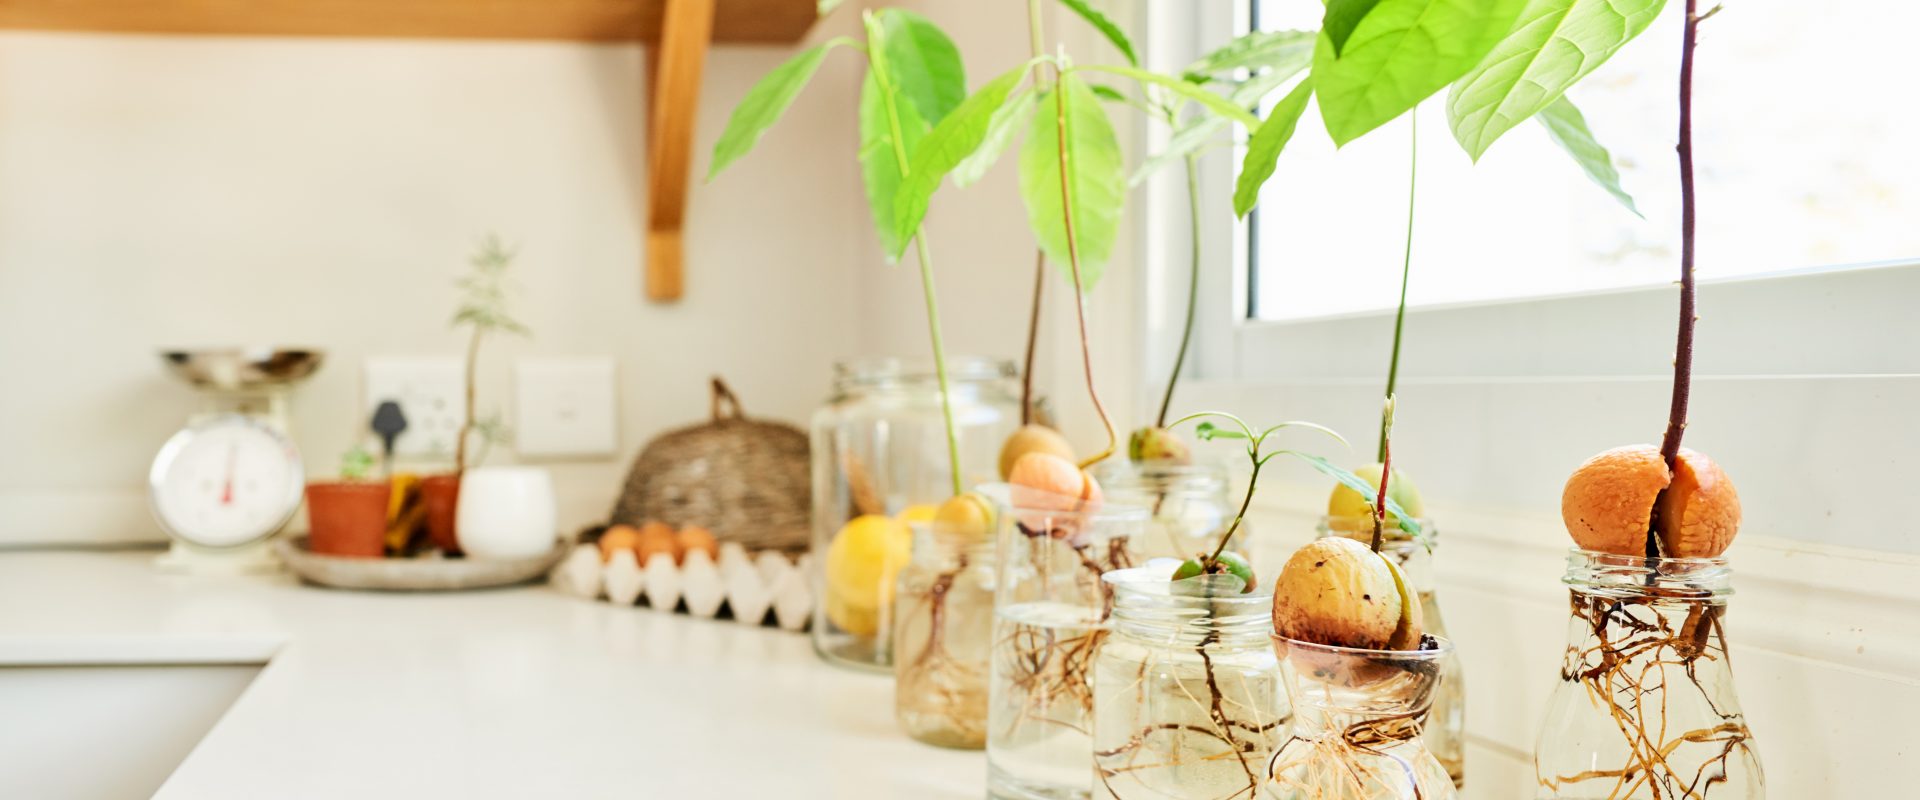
(431, 391)
(564, 407)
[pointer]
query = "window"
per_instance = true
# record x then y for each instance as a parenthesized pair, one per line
(1803, 160)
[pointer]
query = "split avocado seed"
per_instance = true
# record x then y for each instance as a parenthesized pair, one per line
(1043, 483)
(1338, 592)
(1613, 500)
(1228, 563)
(1158, 445)
(1032, 438)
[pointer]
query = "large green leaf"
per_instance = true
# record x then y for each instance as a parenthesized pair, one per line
(1214, 102)
(1255, 51)
(1106, 27)
(949, 143)
(923, 63)
(1009, 119)
(1263, 149)
(1402, 52)
(1554, 45)
(765, 102)
(1569, 130)
(1341, 17)
(881, 166)
(1091, 169)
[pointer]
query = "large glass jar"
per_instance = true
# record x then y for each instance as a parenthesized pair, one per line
(1050, 615)
(1447, 721)
(942, 635)
(1357, 717)
(1187, 504)
(1187, 699)
(880, 447)
(1645, 706)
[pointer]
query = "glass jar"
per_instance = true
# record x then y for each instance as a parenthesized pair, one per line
(1357, 718)
(1646, 707)
(1050, 615)
(942, 637)
(879, 446)
(1447, 721)
(1187, 504)
(1187, 700)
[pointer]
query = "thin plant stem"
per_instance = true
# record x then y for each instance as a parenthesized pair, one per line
(1245, 503)
(1406, 270)
(1683, 341)
(466, 426)
(1073, 260)
(1386, 474)
(924, 255)
(1193, 286)
(1037, 45)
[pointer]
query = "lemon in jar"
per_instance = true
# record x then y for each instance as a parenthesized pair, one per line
(861, 564)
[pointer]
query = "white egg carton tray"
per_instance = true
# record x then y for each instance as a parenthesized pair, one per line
(758, 588)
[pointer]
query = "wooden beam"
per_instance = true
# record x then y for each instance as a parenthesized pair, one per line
(766, 21)
(685, 34)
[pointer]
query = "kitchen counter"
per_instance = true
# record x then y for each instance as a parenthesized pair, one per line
(509, 693)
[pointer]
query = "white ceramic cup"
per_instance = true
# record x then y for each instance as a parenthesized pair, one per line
(506, 512)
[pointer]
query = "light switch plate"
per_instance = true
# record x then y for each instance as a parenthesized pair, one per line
(431, 391)
(564, 407)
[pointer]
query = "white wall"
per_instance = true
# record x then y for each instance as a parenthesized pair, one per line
(167, 191)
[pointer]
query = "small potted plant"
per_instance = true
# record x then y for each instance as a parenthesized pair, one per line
(348, 517)
(483, 311)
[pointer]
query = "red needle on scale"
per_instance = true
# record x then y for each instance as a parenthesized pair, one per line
(226, 492)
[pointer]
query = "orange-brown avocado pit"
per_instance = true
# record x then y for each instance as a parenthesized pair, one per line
(1044, 484)
(1338, 592)
(1609, 504)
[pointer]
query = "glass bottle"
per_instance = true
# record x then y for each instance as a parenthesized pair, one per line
(942, 635)
(879, 447)
(1447, 721)
(1187, 504)
(1645, 706)
(1187, 699)
(1357, 719)
(1050, 614)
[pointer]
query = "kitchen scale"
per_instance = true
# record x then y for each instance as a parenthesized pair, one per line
(223, 485)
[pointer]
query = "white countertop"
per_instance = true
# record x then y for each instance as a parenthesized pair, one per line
(509, 693)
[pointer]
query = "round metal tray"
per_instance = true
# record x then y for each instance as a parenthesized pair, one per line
(413, 574)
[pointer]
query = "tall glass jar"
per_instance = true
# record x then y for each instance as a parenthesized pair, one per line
(1187, 699)
(1050, 614)
(942, 637)
(1187, 504)
(879, 447)
(1357, 717)
(1447, 721)
(1646, 706)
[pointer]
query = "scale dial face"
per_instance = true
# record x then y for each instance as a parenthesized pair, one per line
(226, 481)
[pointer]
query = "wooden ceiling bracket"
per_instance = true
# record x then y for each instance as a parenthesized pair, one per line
(674, 84)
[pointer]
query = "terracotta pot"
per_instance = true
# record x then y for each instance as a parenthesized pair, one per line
(348, 518)
(441, 493)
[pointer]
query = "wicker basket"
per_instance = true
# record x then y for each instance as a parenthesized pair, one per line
(746, 480)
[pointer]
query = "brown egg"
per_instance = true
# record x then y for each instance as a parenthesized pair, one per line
(1337, 592)
(656, 537)
(694, 537)
(1607, 504)
(1032, 438)
(1700, 513)
(617, 538)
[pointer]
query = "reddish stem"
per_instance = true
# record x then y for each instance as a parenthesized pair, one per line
(1380, 501)
(1683, 344)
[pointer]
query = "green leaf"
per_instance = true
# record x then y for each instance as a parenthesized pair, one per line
(1361, 485)
(948, 144)
(1400, 53)
(825, 7)
(1110, 94)
(1193, 138)
(1569, 130)
(1215, 103)
(1092, 170)
(1207, 431)
(1554, 44)
(1255, 51)
(1106, 27)
(1342, 17)
(880, 165)
(765, 102)
(1263, 149)
(923, 64)
(1009, 119)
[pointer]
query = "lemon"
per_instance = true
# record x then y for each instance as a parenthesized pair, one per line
(861, 564)
(918, 513)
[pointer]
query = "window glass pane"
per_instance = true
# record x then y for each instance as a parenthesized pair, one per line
(1803, 158)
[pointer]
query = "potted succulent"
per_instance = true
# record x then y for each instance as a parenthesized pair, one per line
(348, 517)
(482, 310)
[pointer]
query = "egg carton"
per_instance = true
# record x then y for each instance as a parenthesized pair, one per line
(757, 588)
